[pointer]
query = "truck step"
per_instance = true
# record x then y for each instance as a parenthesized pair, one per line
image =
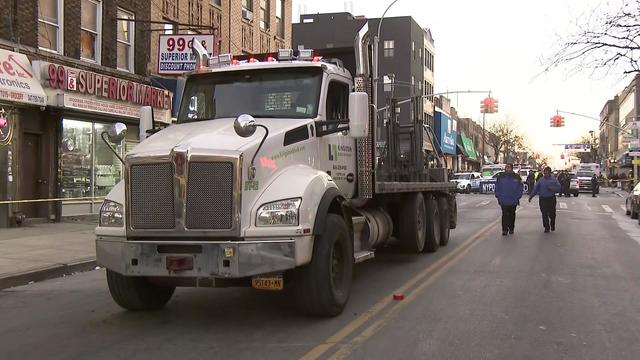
(363, 255)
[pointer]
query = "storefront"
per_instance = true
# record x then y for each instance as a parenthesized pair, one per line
(84, 104)
(446, 132)
(21, 99)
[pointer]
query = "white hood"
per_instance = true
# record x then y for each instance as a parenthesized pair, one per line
(215, 134)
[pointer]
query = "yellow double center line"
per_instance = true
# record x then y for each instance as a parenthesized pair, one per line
(434, 270)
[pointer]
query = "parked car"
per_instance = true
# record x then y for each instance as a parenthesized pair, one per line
(574, 185)
(463, 181)
(632, 202)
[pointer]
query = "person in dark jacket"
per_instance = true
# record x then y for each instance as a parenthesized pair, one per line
(594, 185)
(531, 181)
(508, 191)
(547, 187)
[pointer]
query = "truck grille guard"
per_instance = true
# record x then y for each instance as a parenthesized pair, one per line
(185, 194)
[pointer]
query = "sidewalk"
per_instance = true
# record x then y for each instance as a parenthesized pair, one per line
(43, 251)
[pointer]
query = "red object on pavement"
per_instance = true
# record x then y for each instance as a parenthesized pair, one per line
(398, 297)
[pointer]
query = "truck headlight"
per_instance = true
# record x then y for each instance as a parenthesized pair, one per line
(111, 214)
(278, 213)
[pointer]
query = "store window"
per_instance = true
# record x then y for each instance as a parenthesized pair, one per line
(88, 168)
(50, 22)
(90, 30)
(125, 40)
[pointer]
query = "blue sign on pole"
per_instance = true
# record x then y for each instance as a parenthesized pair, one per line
(446, 132)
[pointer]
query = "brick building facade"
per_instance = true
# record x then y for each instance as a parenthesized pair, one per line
(89, 59)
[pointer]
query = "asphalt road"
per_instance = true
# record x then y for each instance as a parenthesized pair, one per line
(571, 294)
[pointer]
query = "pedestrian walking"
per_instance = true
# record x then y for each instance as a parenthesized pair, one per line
(508, 192)
(531, 181)
(546, 188)
(594, 185)
(561, 179)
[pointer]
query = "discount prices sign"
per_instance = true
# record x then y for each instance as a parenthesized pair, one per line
(175, 55)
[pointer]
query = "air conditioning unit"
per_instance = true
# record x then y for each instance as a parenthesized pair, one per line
(247, 14)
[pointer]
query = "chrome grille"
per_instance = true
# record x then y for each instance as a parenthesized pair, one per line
(210, 195)
(152, 199)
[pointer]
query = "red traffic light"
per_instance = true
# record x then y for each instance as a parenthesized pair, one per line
(557, 121)
(489, 105)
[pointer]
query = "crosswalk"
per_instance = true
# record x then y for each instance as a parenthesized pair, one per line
(602, 208)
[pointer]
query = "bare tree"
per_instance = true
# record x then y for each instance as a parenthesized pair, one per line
(503, 136)
(604, 41)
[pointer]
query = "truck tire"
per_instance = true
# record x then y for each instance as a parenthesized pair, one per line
(445, 229)
(453, 212)
(634, 212)
(137, 293)
(434, 222)
(322, 287)
(412, 227)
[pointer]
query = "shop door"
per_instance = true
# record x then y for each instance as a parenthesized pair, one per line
(33, 183)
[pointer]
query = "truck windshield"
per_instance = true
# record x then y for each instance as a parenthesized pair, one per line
(262, 93)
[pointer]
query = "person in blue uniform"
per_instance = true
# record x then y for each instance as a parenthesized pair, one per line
(509, 190)
(546, 188)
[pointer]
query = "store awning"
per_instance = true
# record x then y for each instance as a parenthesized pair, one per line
(460, 147)
(17, 80)
(469, 147)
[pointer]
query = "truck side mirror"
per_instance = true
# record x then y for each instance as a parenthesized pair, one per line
(117, 132)
(245, 125)
(146, 121)
(359, 115)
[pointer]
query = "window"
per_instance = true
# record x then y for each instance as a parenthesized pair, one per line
(420, 53)
(50, 25)
(169, 27)
(247, 9)
(125, 40)
(280, 17)
(388, 48)
(337, 101)
(90, 30)
(263, 93)
(264, 14)
(413, 49)
(170, 9)
(216, 3)
(195, 12)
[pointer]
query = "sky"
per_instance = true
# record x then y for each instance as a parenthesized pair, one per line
(500, 45)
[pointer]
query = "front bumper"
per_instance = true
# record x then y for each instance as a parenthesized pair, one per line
(222, 259)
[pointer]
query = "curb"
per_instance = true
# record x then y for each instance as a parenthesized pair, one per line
(47, 273)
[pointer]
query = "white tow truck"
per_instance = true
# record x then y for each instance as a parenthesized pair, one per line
(273, 177)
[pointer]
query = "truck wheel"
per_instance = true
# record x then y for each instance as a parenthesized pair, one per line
(434, 222)
(453, 213)
(322, 287)
(634, 212)
(413, 227)
(137, 293)
(445, 228)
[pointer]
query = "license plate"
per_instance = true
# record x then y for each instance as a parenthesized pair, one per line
(267, 282)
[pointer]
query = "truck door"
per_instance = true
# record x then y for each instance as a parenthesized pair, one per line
(338, 151)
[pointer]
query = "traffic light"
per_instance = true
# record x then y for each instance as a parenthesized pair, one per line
(489, 105)
(557, 121)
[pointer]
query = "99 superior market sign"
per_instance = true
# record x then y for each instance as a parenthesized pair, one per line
(89, 91)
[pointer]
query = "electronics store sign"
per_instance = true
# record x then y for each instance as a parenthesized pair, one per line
(85, 90)
(175, 54)
(17, 81)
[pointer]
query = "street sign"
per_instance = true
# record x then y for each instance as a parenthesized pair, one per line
(634, 153)
(578, 147)
(635, 162)
(174, 52)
